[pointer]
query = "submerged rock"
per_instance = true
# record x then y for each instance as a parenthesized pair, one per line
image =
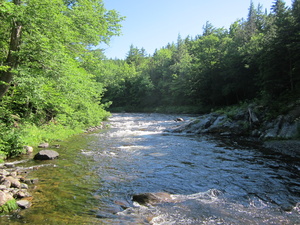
(46, 155)
(152, 198)
(44, 145)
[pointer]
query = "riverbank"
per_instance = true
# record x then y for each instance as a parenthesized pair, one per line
(279, 133)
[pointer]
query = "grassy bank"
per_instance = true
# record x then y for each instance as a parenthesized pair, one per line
(14, 138)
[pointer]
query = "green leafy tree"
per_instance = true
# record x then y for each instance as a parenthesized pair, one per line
(181, 70)
(116, 77)
(160, 75)
(12, 43)
(52, 28)
(48, 62)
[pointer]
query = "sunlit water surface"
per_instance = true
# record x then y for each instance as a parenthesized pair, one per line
(210, 182)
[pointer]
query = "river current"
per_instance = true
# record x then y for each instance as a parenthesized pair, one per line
(210, 182)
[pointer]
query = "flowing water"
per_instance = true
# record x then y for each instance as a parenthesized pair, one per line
(210, 182)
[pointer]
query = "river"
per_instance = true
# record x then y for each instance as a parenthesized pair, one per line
(210, 182)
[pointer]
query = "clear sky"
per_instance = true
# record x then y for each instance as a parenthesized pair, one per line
(153, 24)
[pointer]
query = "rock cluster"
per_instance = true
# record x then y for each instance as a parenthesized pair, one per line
(244, 123)
(14, 185)
(13, 181)
(43, 145)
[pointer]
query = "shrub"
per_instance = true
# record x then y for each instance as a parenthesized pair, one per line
(9, 206)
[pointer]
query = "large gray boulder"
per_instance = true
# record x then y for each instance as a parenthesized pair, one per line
(281, 127)
(46, 155)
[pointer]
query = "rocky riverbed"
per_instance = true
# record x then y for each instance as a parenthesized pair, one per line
(14, 184)
(14, 181)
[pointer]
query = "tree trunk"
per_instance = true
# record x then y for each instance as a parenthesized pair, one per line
(12, 59)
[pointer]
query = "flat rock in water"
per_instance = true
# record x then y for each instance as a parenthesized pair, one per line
(46, 155)
(24, 204)
(44, 145)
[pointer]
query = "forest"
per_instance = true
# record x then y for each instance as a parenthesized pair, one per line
(55, 81)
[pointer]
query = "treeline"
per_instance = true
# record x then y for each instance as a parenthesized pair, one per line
(48, 89)
(256, 58)
(54, 82)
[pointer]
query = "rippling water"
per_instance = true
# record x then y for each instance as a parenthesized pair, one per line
(209, 182)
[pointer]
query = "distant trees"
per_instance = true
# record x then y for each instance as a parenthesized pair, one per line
(256, 58)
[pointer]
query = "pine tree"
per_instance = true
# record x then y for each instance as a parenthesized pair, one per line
(295, 46)
(251, 20)
(276, 67)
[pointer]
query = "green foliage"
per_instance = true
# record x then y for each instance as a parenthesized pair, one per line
(54, 92)
(34, 135)
(257, 57)
(231, 111)
(9, 206)
(10, 142)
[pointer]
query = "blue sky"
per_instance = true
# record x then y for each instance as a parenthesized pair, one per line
(152, 24)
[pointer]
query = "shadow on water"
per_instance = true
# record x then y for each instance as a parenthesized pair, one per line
(210, 181)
